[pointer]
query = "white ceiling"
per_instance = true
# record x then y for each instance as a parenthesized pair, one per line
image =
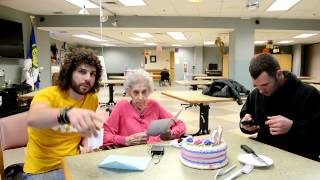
(305, 9)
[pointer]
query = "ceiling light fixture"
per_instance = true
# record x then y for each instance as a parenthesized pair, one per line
(133, 2)
(144, 35)
(84, 36)
(208, 43)
(284, 42)
(305, 35)
(83, 11)
(107, 44)
(176, 45)
(252, 4)
(137, 38)
(177, 35)
(195, 1)
(82, 3)
(150, 44)
(281, 5)
(114, 21)
(260, 42)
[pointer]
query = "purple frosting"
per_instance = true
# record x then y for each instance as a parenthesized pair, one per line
(208, 142)
(190, 139)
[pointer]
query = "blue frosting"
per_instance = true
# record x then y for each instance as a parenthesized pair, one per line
(189, 139)
(208, 142)
(212, 152)
(225, 157)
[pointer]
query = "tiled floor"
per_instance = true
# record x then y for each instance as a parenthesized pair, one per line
(224, 114)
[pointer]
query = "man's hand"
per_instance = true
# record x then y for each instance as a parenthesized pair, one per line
(84, 147)
(278, 124)
(85, 121)
(135, 139)
(248, 117)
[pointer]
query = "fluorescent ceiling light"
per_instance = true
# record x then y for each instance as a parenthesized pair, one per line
(84, 36)
(150, 44)
(176, 45)
(84, 11)
(282, 5)
(260, 42)
(305, 35)
(284, 42)
(136, 38)
(83, 3)
(177, 35)
(208, 43)
(143, 35)
(196, 1)
(133, 2)
(106, 44)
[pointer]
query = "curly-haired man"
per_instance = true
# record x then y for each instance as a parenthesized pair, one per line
(60, 116)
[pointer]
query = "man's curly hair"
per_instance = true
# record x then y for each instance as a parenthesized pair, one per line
(73, 60)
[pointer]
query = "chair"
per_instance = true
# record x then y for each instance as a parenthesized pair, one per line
(164, 76)
(13, 134)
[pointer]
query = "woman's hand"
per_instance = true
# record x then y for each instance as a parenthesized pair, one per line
(135, 139)
(166, 136)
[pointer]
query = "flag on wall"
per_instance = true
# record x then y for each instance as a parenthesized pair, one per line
(33, 56)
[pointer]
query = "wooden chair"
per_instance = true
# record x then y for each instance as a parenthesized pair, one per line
(13, 134)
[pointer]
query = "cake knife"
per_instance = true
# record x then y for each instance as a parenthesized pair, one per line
(247, 149)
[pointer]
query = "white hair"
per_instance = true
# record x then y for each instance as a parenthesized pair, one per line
(138, 75)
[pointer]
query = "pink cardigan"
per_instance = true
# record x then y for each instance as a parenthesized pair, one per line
(125, 120)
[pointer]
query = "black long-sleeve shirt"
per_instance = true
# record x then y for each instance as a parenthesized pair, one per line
(296, 101)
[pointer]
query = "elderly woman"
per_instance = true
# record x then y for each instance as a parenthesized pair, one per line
(129, 120)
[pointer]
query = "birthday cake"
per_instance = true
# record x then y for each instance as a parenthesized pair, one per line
(203, 153)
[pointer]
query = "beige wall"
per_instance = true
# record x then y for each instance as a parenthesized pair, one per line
(163, 60)
(285, 61)
(313, 61)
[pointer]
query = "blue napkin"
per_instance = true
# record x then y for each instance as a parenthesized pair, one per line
(131, 163)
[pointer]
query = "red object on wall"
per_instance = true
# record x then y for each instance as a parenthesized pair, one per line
(146, 53)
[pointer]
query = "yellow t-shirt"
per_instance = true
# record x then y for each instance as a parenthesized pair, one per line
(47, 147)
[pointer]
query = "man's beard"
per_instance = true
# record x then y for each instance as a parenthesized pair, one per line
(76, 88)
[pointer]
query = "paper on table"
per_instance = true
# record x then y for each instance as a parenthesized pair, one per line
(96, 142)
(132, 163)
(161, 126)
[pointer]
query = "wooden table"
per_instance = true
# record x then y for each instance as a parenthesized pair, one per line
(27, 96)
(124, 77)
(286, 165)
(155, 76)
(209, 78)
(112, 83)
(304, 77)
(196, 97)
(117, 77)
(194, 83)
(197, 75)
(316, 86)
(311, 81)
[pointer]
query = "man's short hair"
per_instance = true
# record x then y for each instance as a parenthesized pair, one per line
(263, 63)
(72, 61)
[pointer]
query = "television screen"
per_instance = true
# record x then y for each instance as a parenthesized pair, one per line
(213, 66)
(11, 39)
